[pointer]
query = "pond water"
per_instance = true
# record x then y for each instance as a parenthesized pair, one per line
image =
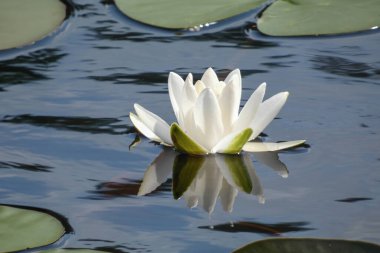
(65, 133)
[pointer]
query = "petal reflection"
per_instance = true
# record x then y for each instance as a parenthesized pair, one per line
(202, 180)
(158, 172)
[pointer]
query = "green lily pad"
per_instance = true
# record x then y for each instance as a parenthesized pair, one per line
(23, 22)
(304, 245)
(71, 251)
(178, 14)
(22, 229)
(310, 17)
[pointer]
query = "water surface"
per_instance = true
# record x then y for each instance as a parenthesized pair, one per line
(65, 132)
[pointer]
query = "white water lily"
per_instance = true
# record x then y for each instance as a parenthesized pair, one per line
(208, 116)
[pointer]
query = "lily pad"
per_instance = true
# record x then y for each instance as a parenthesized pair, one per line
(71, 251)
(23, 22)
(304, 245)
(178, 14)
(22, 229)
(310, 17)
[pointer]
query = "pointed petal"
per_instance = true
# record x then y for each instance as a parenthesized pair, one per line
(189, 79)
(210, 79)
(232, 143)
(229, 102)
(184, 143)
(188, 97)
(175, 86)
(235, 170)
(210, 185)
(155, 123)
(207, 117)
(227, 196)
(199, 86)
(232, 75)
(143, 128)
(268, 110)
(272, 160)
(248, 113)
(270, 146)
(158, 172)
(191, 200)
(257, 189)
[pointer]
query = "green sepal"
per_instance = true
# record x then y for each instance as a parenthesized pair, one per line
(183, 143)
(236, 145)
(185, 169)
(239, 172)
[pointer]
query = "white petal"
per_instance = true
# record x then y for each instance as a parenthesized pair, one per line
(188, 97)
(232, 143)
(207, 117)
(272, 160)
(158, 172)
(199, 86)
(210, 79)
(191, 200)
(218, 89)
(189, 79)
(227, 196)
(211, 179)
(175, 86)
(268, 110)
(155, 123)
(248, 113)
(229, 102)
(232, 75)
(257, 189)
(270, 146)
(143, 128)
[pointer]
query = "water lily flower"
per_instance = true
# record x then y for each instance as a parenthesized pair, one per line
(208, 117)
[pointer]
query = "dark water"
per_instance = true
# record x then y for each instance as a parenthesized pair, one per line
(65, 132)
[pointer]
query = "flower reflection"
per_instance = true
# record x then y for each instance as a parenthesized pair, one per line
(201, 180)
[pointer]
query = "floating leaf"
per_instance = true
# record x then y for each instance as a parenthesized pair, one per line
(310, 17)
(25, 228)
(23, 22)
(71, 251)
(177, 14)
(304, 245)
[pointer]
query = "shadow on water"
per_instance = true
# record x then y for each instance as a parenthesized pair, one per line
(79, 124)
(229, 38)
(159, 78)
(142, 78)
(126, 188)
(261, 228)
(344, 67)
(32, 67)
(23, 166)
(352, 200)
